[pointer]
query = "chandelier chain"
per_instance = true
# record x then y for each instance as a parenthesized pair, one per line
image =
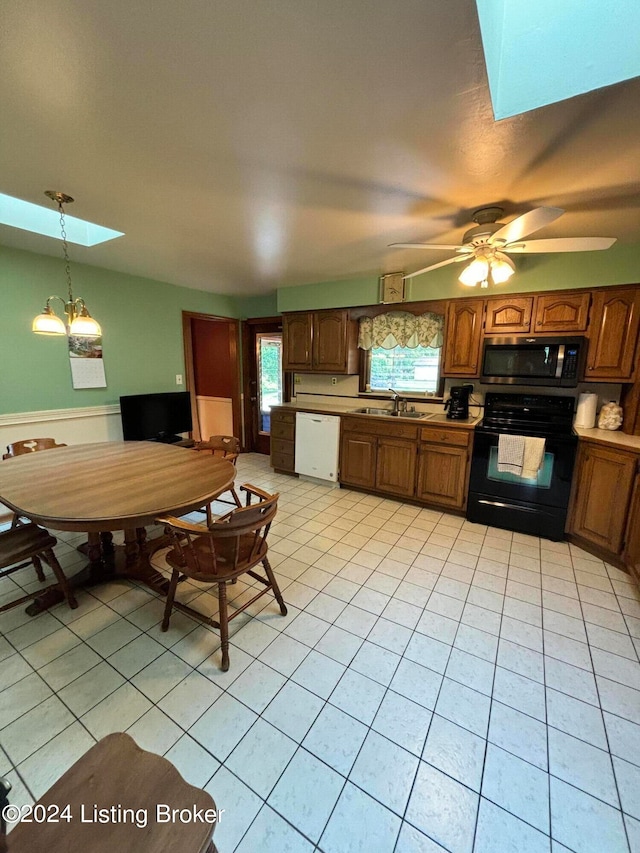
(65, 249)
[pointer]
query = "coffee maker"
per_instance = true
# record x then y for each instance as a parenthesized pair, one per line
(457, 406)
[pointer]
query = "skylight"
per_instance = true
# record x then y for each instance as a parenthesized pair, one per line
(545, 51)
(46, 220)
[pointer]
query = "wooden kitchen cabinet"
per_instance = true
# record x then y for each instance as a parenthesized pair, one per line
(562, 312)
(631, 553)
(442, 475)
(296, 342)
(320, 342)
(379, 454)
(428, 464)
(602, 490)
(283, 440)
(613, 333)
(443, 466)
(462, 338)
(396, 467)
(358, 460)
(509, 315)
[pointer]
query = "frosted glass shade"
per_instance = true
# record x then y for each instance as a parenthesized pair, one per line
(477, 271)
(48, 323)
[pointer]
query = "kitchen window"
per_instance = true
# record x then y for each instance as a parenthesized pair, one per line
(401, 351)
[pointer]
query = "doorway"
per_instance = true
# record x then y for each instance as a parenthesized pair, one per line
(264, 384)
(213, 374)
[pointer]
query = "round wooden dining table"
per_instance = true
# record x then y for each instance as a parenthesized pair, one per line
(116, 485)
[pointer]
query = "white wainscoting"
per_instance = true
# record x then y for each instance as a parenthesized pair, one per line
(215, 415)
(67, 426)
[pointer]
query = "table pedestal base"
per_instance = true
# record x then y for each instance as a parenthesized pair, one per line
(108, 562)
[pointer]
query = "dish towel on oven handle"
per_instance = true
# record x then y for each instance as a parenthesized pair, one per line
(511, 454)
(533, 457)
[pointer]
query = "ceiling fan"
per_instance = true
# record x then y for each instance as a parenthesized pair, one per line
(489, 244)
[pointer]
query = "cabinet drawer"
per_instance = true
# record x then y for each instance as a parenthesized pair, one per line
(280, 445)
(279, 430)
(282, 417)
(282, 461)
(372, 426)
(458, 437)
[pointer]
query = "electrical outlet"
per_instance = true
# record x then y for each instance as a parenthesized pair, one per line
(178, 379)
(297, 380)
(334, 381)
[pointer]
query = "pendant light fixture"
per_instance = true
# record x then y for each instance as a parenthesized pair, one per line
(79, 322)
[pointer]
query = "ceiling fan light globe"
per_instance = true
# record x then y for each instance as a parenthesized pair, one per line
(502, 268)
(475, 272)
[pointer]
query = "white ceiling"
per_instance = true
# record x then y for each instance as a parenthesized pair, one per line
(243, 145)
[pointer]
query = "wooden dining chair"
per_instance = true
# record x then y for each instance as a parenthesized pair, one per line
(233, 545)
(30, 445)
(19, 448)
(19, 546)
(225, 447)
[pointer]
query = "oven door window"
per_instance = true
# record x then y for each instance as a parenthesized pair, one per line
(533, 361)
(542, 481)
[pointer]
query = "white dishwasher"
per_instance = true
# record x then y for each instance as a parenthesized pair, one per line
(317, 446)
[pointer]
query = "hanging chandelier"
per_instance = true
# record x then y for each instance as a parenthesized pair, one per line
(79, 322)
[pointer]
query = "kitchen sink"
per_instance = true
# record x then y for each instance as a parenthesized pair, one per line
(368, 410)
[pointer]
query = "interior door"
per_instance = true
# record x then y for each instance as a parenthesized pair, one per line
(264, 380)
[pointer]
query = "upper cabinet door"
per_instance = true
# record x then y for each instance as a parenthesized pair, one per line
(296, 341)
(509, 315)
(462, 341)
(613, 333)
(559, 312)
(330, 330)
(562, 312)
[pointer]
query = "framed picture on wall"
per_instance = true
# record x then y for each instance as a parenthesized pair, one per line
(392, 287)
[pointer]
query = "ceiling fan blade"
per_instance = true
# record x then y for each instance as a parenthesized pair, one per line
(446, 247)
(435, 266)
(526, 224)
(561, 244)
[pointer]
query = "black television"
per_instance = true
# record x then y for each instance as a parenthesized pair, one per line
(156, 417)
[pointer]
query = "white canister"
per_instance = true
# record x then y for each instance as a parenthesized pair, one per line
(586, 411)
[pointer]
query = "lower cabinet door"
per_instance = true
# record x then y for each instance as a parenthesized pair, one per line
(631, 555)
(358, 460)
(442, 474)
(602, 492)
(396, 467)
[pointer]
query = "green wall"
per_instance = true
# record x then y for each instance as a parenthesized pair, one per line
(618, 265)
(258, 306)
(141, 323)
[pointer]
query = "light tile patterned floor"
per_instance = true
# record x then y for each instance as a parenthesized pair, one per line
(437, 685)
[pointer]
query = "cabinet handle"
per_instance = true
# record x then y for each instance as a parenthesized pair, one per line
(590, 367)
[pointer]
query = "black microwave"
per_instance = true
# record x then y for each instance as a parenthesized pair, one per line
(534, 360)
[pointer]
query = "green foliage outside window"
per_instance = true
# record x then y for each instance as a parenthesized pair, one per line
(416, 370)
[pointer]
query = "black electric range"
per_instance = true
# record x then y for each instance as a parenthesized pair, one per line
(537, 506)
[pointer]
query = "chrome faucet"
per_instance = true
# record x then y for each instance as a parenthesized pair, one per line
(399, 403)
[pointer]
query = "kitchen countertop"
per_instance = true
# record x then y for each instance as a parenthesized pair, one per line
(612, 438)
(436, 419)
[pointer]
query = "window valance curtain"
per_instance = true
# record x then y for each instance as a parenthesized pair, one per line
(400, 328)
